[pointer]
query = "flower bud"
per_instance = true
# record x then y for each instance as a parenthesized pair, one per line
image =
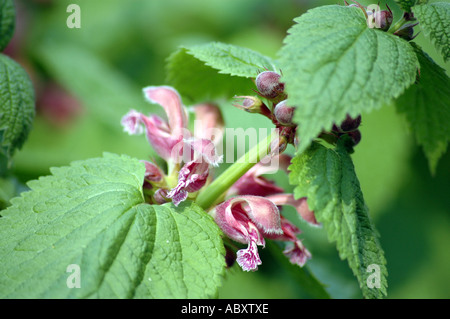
(252, 104)
(230, 256)
(284, 113)
(269, 85)
(152, 172)
(383, 19)
(350, 124)
(406, 32)
(355, 136)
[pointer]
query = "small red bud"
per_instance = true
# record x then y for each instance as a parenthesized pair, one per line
(252, 104)
(284, 113)
(355, 136)
(350, 124)
(269, 85)
(383, 19)
(406, 32)
(230, 257)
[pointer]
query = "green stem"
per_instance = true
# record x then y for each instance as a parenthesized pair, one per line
(217, 189)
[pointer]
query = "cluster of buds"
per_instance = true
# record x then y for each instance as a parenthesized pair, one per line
(406, 31)
(376, 18)
(250, 212)
(270, 88)
(349, 127)
(382, 19)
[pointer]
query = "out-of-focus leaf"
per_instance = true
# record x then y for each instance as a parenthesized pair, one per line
(426, 105)
(434, 20)
(7, 22)
(16, 106)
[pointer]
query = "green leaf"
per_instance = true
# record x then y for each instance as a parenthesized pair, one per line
(7, 22)
(215, 70)
(327, 178)
(16, 106)
(92, 214)
(434, 20)
(334, 65)
(426, 105)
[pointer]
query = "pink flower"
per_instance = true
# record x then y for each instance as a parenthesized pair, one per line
(253, 183)
(170, 100)
(200, 154)
(200, 150)
(299, 204)
(191, 178)
(295, 250)
(163, 135)
(248, 219)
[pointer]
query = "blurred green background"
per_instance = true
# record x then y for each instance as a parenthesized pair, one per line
(86, 79)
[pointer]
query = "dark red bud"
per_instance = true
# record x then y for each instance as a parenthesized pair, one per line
(284, 113)
(230, 256)
(409, 16)
(350, 124)
(406, 32)
(335, 128)
(269, 85)
(383, 19)
(355, 136)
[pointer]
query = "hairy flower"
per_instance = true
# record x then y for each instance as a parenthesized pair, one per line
(199, 155)
(295, 250)
(163, 135)
(248, 219)
(191, 178)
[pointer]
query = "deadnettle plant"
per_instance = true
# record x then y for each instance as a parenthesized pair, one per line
(248, 210)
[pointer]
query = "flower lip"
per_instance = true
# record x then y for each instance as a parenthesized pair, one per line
(132, 123)
(235, 215)
(248, 258)
(191, 178)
